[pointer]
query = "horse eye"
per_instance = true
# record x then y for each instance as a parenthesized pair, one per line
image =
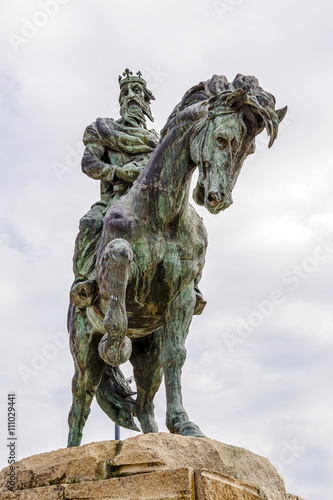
(222, 142)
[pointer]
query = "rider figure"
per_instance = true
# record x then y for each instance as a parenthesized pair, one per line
(116, 153)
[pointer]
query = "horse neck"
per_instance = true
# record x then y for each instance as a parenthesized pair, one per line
(167, 177)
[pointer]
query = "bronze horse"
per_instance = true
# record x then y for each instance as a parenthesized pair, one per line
(152, 252)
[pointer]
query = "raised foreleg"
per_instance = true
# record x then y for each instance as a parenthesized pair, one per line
(177, 322)
(146, 361)
(115, 347)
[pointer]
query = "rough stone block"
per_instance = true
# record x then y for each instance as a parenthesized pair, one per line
(43, 493)
(147, 467)
(67, 465)
(215, 486)
(161, 485)
(170, 451)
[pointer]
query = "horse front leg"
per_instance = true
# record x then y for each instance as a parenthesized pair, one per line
(115, 347)
(177, 323)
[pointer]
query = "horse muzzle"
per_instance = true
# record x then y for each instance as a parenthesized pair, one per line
(217, 201)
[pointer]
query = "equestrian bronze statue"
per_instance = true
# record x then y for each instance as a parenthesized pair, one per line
(141, 249)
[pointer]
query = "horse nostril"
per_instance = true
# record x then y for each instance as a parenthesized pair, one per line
(211, 197)
(214, 198)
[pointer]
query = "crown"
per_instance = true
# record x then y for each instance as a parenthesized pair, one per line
(129, 77)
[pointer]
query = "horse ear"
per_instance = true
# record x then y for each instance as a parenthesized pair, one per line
(237, 98)
(281, 113)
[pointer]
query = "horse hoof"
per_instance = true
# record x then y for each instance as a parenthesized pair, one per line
(187, 429)
(116, 354)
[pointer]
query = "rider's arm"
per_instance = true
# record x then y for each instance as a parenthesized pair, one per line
(93, 166)
(131, 170)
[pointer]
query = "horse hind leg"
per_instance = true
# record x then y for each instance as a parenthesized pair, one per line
(115, 348)
(83, 390)
(146, 361)
(88, 372)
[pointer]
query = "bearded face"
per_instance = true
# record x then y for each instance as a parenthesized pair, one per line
(134, 104)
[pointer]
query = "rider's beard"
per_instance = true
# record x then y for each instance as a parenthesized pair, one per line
(134, 112)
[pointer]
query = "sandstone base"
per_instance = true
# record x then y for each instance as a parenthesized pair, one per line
(147, 467)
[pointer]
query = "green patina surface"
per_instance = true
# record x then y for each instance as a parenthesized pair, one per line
(140, 250)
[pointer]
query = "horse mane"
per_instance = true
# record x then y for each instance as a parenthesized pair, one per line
(259, 103)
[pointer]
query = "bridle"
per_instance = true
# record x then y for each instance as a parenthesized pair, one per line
(202, 126)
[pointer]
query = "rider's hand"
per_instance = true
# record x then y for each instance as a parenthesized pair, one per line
(129, 172)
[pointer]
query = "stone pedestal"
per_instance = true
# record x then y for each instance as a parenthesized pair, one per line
(147, 467)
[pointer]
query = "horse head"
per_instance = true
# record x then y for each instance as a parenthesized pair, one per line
(224, 135)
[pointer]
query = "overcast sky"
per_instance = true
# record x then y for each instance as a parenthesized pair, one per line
(259, 367)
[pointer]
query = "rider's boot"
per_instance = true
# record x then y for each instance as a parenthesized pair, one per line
(200, 302)
(83, 293)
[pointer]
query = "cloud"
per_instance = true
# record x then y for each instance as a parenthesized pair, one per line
(274, 387)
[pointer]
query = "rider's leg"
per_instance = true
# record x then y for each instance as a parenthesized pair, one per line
(84, 290)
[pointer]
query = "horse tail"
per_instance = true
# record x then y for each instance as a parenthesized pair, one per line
(114, 396)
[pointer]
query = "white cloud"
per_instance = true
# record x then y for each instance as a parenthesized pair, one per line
(274, 387)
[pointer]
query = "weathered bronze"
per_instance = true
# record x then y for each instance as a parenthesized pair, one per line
(151, 251)
(116, 153)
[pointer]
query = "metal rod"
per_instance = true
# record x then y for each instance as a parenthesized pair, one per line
(129, 380)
